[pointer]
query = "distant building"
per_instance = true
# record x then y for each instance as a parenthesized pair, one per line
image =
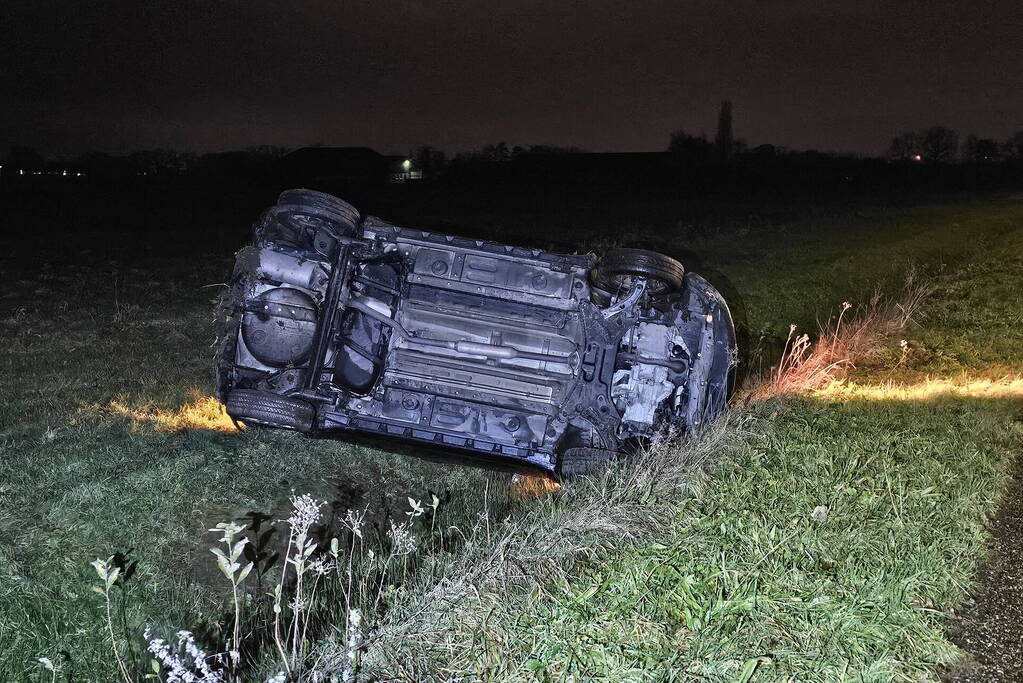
(333, 167)
(403, 170)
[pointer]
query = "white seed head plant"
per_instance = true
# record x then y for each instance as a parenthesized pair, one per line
(184, 661)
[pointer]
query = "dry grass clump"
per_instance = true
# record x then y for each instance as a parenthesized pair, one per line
(854, 337)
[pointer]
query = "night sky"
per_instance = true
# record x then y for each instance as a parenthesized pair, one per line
(606, 76)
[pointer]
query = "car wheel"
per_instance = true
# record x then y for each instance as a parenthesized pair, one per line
(576, 461)
(321, 205)
(619, 266)
(263, 408)
(304, 218)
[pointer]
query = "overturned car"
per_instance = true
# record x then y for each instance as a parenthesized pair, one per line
(338, 324)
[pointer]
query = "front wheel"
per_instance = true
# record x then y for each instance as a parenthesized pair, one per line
(620, 267)
(576, 461)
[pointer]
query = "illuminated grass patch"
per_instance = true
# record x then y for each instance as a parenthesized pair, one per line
(926, 390)
(201, 412)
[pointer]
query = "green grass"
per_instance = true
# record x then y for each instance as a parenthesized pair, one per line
(742, 576)
(80, 479)
(105, 367)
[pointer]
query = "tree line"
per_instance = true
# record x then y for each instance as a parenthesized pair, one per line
(933, 145)
(944, 145)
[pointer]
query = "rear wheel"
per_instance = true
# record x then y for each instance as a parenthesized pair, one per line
(263, 408)
(308, 221)
(620, 267)
(322, 205)
(576, 461)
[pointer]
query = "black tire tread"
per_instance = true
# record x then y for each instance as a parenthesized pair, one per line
(617, 263)
(321, 205)
(272, 410)
(576, 461)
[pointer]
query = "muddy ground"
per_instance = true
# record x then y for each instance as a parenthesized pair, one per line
(990, 628)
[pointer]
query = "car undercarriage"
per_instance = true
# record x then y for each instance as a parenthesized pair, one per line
(337, 324)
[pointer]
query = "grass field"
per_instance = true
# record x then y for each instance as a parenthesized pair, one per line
(719, 570)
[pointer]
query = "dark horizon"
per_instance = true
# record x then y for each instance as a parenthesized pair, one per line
(203, 77)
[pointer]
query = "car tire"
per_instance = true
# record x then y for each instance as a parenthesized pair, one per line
(322, 204)
(576, 461)
(663, 273)
(300, 208)
(272, 410)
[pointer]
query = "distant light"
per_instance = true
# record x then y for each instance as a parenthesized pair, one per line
(79, 174)
(407, 164)
(21, 171)
(917, 157)
(65, 172)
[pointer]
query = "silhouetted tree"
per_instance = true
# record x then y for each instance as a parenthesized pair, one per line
(1013, 147)
(102, 165)
(905, 147)
(498, 152)
(544, 150)
(939, 144)
(692, 149)
(156, 161)
(428, 160)
(724, 142)
(488, 154)
(980, 149)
